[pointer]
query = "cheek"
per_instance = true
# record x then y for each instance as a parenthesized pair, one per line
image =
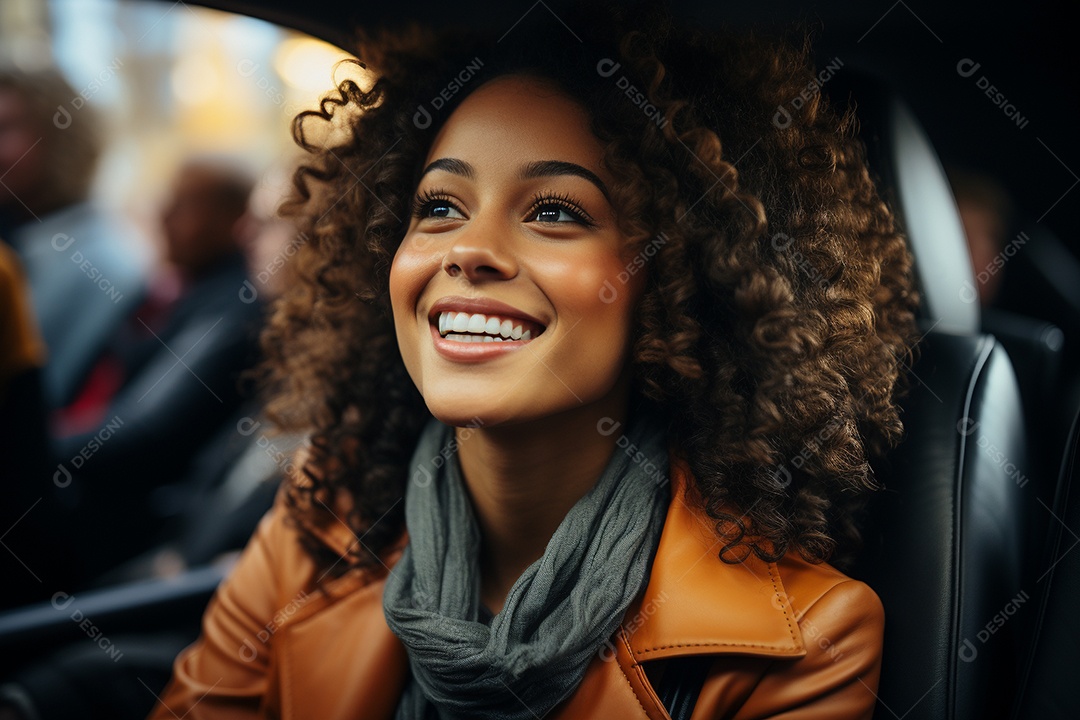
(409, 274)
(597, 291)
(597, 323)
(401, 299)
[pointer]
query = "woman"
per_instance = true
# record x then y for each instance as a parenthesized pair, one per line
(592, 356)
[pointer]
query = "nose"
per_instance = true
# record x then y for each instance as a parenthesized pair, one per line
(480, 255)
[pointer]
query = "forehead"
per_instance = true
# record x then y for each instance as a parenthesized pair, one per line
(516, 119)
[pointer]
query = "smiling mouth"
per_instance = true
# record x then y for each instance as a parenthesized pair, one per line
(479, 328)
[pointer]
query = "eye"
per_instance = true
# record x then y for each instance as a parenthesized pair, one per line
(436, 204)
(555, 209)
(554, 214)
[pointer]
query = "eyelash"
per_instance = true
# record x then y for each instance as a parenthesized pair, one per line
(425, 201)
(568, 203)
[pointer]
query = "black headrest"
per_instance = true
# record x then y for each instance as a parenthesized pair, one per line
(911, 179)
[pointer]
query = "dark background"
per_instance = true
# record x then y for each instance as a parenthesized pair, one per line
(1026, 51)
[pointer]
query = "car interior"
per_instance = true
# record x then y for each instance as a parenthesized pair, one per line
(970, 543)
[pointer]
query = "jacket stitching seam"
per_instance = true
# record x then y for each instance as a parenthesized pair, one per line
(626, 644)
(773, 577)
(645, 651)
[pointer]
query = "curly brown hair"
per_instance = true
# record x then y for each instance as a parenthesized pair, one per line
(778, 311)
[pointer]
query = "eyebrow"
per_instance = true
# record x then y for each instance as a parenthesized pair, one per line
(451, 165)
(551, 168)
(537, 169)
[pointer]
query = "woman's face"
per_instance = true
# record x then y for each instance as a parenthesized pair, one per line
(497, 285)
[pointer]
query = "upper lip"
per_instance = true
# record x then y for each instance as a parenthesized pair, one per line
(482, 306)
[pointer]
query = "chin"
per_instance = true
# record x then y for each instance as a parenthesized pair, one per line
(451, 408)
(456, 413)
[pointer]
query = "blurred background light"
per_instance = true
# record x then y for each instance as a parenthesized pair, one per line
(195, 80)
(172, 80)
(302, 62)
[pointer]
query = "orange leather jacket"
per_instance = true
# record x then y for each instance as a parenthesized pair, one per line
(790, 639)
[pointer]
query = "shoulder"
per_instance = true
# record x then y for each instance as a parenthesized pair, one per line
(296, 525)
(280, 542)
(276, 569)
(814, 594)
(273, 579)
(778, 610)
(821, 587)
(232, 670)
(841, 623)
(837, 615)
(273, 566)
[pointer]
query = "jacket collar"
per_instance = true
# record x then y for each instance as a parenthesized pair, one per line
(694, 603)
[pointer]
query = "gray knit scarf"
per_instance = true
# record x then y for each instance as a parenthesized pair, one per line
(559, 612)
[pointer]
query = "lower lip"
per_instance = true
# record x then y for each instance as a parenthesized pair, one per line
(473, 351)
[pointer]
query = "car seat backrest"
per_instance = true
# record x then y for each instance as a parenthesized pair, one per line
(944, 540)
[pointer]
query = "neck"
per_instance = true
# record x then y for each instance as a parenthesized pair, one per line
(523, 479)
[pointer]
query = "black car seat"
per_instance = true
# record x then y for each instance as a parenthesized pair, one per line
(946, 538)
(1050, 690)
(1036, 348)
(1042, 280)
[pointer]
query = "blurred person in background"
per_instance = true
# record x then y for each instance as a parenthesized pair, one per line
(33, 559)
(231, 482)
(229, 486)
(171, 375)
(987, 213)
(83, 265)
(22, 354)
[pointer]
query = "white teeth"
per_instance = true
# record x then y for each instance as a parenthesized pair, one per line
(477, 323)
(484, 328)
(473, 338)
